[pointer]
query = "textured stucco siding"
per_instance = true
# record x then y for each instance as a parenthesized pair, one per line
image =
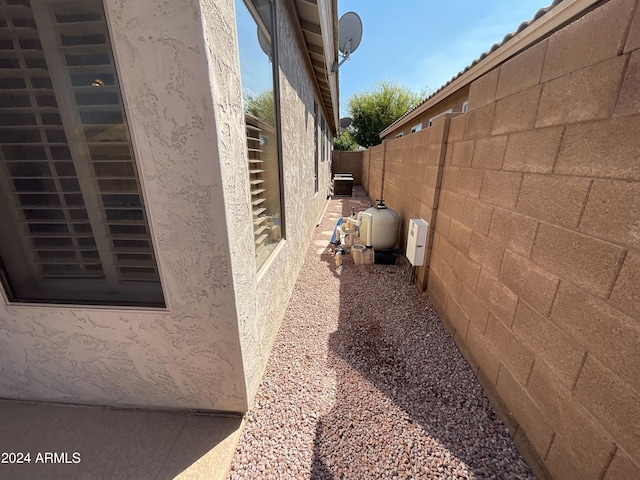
(187, 356)
(179, 69)
(262, 296)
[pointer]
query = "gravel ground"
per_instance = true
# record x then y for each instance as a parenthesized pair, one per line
(364, 382)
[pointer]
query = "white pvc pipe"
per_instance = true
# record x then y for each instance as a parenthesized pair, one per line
(323, 212)
(356, 221)
(369, 217)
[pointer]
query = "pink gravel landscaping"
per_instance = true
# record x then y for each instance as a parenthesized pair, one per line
(365, 382)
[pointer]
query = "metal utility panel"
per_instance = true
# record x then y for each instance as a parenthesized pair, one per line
(417, 241)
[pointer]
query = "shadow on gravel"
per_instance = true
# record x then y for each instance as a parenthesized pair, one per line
(407, 404)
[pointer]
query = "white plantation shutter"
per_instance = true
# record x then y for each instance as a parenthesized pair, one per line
(74, 225)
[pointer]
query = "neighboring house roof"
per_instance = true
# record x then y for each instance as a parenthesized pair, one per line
(546, 21)
(319, 26)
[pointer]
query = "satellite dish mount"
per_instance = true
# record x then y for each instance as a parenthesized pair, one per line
(350, 34)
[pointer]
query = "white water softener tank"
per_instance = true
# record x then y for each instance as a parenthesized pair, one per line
(385, 226)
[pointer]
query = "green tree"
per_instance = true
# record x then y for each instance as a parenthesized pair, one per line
(344, 141)
(262, 106)
(376, 109)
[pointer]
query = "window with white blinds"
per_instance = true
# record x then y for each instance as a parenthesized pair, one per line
(73, 225)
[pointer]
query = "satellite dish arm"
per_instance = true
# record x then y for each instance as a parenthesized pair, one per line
(337, 65)
(350, 27)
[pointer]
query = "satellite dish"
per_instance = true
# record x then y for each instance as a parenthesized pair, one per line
(345, 122)
(265, 45)
(350, 34)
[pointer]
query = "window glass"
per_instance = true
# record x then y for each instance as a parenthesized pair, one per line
(74, 225)
(327, 139)
(316, 158)
(323, 138)
(256, 42)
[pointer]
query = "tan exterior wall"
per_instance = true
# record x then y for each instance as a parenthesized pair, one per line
(535, 265)
(179, 70)
(348, 162)
(262, 297)
(187, 355)
(366, 162)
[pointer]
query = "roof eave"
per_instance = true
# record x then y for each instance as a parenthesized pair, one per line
(318, 20)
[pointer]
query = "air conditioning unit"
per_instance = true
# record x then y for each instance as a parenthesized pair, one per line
(417, 241)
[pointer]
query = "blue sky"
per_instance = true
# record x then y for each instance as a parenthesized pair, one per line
(423, 43)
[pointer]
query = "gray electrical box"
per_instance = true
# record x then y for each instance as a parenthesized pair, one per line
(417, 241)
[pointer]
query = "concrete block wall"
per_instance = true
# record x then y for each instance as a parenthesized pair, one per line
(366, 161)
(535, 263)
(376, 170)
(412, 170)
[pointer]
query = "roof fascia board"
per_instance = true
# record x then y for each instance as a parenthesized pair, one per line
(326, 11)
(549, 22)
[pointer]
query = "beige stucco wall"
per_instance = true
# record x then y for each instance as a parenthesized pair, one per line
(188, 355)
(262, 296)
(178, 64)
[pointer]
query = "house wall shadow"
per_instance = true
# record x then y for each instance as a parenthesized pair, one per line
(410, 377)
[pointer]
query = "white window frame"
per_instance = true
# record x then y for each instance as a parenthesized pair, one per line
(465, 106)
(401, 134)
(416, 128)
